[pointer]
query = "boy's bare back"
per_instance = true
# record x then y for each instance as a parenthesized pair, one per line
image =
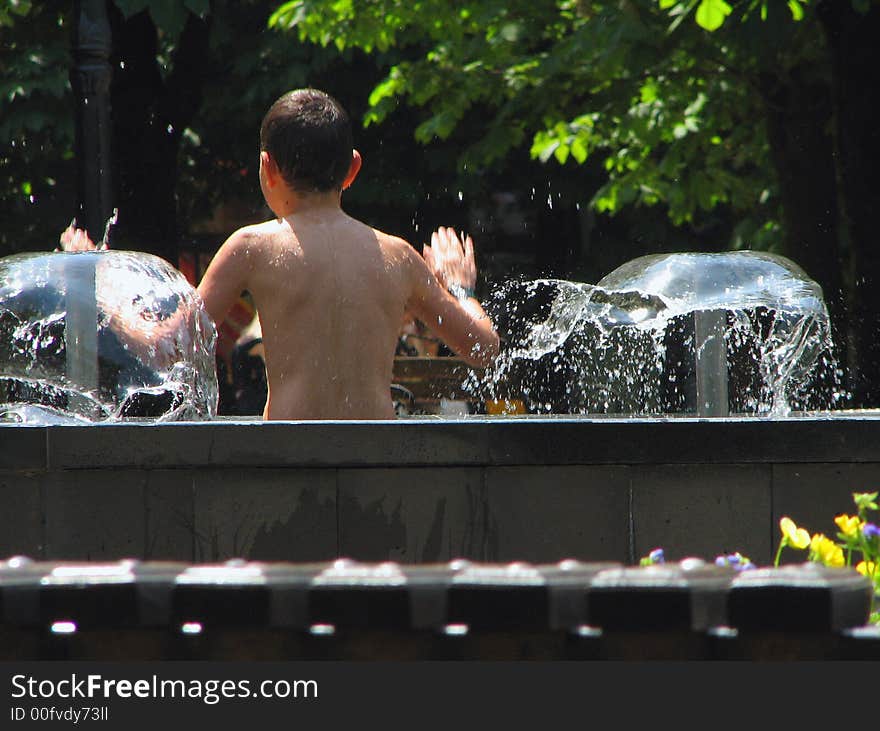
(332, 293)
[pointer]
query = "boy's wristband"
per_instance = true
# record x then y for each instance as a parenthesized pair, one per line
(459, 292)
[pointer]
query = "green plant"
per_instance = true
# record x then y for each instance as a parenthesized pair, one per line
(858, 539)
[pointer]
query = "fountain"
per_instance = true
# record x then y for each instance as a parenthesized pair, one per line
(118, 334)
(601, 471)
(707, 334)
(695, 446)
(96, 335)
(100, 335)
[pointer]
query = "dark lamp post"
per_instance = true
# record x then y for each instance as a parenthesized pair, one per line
(90, 77)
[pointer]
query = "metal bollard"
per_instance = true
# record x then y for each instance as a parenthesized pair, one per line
(798, 612)
(94, 611)
(381, 611)
(242, 610)
(20, 634)
(500, 612)
(568, 584)
(659, 612)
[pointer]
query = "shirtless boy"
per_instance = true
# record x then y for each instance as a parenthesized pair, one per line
(331, 291)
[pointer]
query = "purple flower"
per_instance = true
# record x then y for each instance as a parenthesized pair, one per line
(870, 531)
(657, 556)
(731, 559)
(736, 560)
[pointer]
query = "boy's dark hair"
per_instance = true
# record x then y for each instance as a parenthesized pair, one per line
(308, 134)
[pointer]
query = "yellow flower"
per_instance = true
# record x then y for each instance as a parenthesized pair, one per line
(866, 569)
(849, 525)
(792, 535)
(826, 551)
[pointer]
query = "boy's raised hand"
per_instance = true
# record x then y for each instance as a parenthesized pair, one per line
(77, 239)
(451, 259)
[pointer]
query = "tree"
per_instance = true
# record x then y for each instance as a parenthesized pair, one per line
(191, 81)
(36, 126)
(846, 93)
(851, 29)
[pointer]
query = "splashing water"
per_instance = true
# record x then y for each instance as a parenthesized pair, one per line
(708, 334)
(102, 335)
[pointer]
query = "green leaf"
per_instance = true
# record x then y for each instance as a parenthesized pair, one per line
(548, 151)
(711, 14)
(579, 150)
(649, 91)
(19, 7)
(561, 153)
(384, 90)
(797, 12)
(288, 15)
(440, 126)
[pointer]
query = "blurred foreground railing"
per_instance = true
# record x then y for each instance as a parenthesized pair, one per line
(131, 610)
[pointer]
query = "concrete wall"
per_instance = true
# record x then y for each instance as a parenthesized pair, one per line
(428, 489)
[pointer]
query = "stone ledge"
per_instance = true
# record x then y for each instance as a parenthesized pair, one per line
(845, 437)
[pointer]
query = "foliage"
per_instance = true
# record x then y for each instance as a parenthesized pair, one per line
(711, 14)
(36, 125)
(857, 540)
(248, 66)
(9, 9)
(668, 110)
(616, 103)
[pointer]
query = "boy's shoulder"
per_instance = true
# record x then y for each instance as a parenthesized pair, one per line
(252, 238)
(394, 243)
(403, 254)
(259, 230)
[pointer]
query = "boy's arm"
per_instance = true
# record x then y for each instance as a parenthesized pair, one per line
(227, 276)
(459, 320)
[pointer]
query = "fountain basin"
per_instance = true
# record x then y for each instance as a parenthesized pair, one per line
(424, 489)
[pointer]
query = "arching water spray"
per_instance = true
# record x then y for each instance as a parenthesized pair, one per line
(705, 334)
(147, 349)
